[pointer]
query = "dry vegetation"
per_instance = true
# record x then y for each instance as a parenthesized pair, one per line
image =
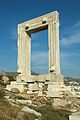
(50, 113)
(9, 111)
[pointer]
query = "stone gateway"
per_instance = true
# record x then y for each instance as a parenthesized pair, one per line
(51, 22)
(54, 79)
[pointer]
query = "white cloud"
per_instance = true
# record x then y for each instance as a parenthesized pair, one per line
(73, 36)
(40, 62)
(69, 54)
(77, 25)
(68, 60)
(39, 57)
(13, 33)
(70, 64)
(73, 39)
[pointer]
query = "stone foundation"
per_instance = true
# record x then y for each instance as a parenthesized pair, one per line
(55, 89)
(46, 88)
(19, 85)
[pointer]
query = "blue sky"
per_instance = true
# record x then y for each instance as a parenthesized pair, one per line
(13, 12)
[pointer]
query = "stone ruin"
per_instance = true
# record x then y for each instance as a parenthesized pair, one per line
(51, 84)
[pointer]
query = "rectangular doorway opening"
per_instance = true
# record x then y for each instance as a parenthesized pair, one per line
(39, 52)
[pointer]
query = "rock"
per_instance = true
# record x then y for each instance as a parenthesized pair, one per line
(15, 90)
(59, 102)
(75, 116)
(5, 79)
(24, 102)
(9, 93)
(29, 110)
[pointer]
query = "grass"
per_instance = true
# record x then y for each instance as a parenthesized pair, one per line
(7, 111)
(50, 113)
(10, 112)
